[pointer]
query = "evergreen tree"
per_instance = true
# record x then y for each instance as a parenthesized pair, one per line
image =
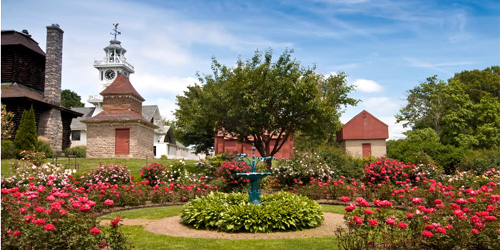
(26, 135)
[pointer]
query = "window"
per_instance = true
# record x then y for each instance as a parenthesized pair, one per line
(75, 135)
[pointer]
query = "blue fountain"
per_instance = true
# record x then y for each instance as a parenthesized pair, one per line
(253, 176)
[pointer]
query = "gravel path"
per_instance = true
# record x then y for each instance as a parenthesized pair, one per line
(171, 226)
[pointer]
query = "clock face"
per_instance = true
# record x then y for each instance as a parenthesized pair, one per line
(109, 74)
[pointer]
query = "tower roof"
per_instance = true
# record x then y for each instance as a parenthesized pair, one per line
(11, 37)
(121, 85)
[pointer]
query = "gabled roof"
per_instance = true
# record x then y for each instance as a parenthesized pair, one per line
(363, 126)
(76, 123)
(148, 111)
(11, 37)
(121, 85)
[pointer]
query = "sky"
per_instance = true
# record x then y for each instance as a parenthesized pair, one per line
(386, 47)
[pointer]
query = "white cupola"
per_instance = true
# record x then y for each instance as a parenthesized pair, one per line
(113, 63)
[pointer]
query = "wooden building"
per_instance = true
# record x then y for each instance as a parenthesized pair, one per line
(30, 77)
(364, 136)
(230, 145)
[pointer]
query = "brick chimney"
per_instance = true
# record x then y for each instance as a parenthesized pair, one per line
(53, 64)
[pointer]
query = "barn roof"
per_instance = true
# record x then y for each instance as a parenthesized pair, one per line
(363, 126)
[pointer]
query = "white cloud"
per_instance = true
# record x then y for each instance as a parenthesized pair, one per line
(395, 129)
(383, 104)
(368, 86)
(153, 84)
(167, 107)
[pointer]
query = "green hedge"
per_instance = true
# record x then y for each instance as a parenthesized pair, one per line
(234, 213)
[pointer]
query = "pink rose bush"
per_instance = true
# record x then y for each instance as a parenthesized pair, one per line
(445, 217)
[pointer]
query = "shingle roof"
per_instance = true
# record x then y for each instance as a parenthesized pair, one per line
(148, 111)
(11, 37)
(17, 90)
(118, 115)
(121, 85)
(76, 123)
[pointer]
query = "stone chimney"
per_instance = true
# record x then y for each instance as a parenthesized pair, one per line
(53, 64)
(50, 122)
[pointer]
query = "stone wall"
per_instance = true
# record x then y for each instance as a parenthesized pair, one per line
(355, 148)
(50, 126)
(122, 102)
(101, 140)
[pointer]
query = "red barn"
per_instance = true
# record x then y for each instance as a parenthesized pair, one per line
(364, 136)
(230, 145)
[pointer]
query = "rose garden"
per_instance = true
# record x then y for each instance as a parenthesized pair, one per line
(438, 188)
(393, 205)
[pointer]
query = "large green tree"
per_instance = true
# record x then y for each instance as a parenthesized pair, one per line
(464, 111)
(258, 100)
(70, 99)
(26, 135)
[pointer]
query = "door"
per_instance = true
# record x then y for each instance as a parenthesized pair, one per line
(122, 141)
(367, 149)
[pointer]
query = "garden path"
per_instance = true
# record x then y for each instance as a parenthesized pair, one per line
(171, 226)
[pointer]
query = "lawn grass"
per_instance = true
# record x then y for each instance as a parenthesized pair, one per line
(169, 211)
(142, 239)
(87, 164)
(152, 213)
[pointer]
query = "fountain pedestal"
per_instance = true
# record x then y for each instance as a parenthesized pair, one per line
(253, 176)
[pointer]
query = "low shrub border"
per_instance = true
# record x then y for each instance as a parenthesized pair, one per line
(234, 213)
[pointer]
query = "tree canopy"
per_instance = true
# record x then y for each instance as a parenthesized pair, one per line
(464, 111)
(258, 100)
(70, 99)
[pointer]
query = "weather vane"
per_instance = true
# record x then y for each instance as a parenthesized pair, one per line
(116, 32)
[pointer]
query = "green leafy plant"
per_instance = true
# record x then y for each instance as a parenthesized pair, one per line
(234, 213)
(44, 146)
(26, 135)
(78, 151)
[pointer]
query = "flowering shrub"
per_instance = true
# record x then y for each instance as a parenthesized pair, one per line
(331, 189)
(33, 157)
(41, 217)
(177, 172)
(108, 195)
(25, 173)
(112, 174)
(153, 173)
(464, 218)
(387, 170)
(180, 192)
(227, 174)
(301, 168)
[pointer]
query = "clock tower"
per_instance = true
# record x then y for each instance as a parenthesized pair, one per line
(113, 63)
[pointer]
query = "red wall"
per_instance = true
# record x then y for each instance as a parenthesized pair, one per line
(228, 145)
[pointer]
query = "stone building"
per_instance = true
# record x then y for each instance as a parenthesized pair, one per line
(120, 130)
(31, 77)
(114, 63)
(364, 136)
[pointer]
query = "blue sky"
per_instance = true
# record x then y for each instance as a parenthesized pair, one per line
(385, 46)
